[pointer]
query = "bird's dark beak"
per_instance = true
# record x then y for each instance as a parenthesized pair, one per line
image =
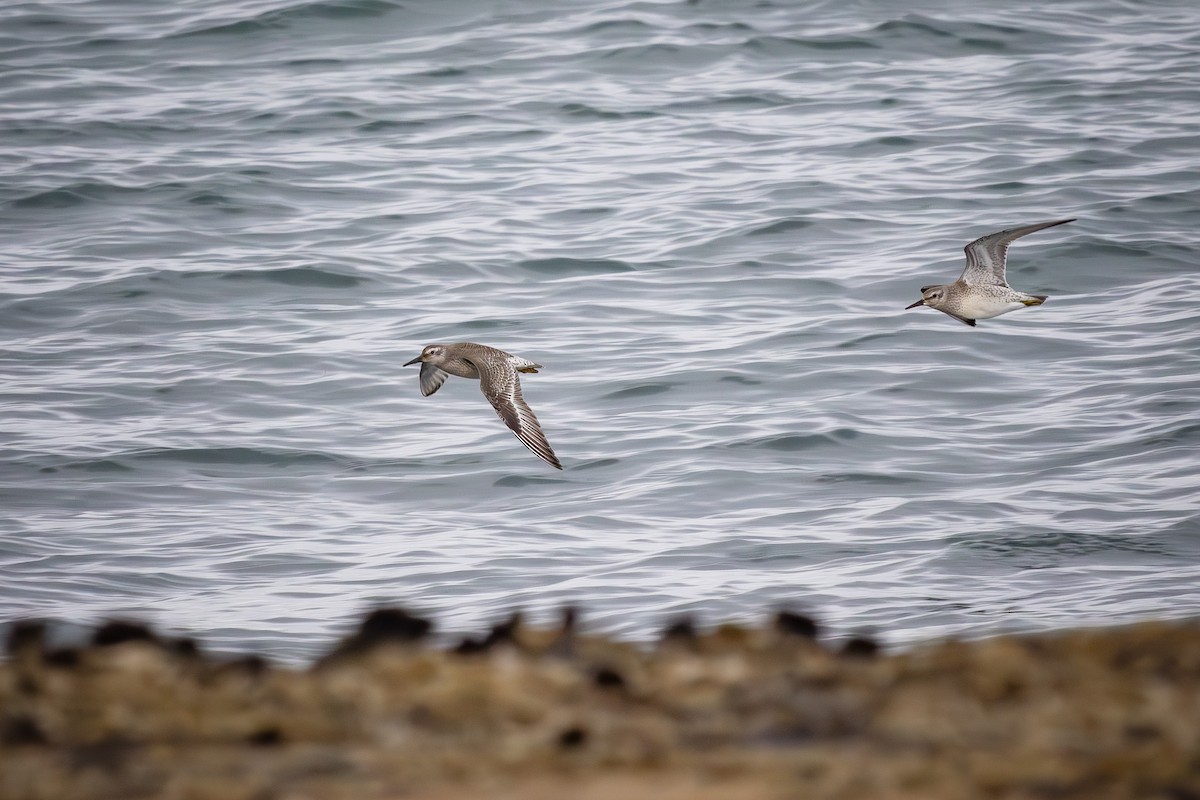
(920, 302)
(416, 360)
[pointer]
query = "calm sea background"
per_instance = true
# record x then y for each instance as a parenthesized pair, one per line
(227, 223)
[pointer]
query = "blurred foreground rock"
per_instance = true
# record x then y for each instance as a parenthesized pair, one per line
(529, 713)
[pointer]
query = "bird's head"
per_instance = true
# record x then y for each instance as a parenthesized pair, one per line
(432, 353)
(932, 296)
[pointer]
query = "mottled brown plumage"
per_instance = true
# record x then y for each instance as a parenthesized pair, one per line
(982, 291)
(496, 372)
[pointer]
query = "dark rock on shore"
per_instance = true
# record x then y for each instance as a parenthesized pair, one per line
(525, 712)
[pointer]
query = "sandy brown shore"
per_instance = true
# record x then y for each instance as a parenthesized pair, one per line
(529, 713)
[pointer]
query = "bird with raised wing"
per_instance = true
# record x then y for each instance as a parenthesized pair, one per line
(982, 291)
(496, 372)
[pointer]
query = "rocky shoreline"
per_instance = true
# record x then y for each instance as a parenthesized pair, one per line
(524, 712)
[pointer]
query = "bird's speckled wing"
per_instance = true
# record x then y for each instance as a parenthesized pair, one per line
(499, 383)
(986, 255)
(432, 379)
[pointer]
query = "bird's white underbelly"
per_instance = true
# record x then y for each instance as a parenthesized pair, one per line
(988, 307)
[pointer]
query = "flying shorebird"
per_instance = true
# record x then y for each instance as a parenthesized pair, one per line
(982, 292)
(496, 372)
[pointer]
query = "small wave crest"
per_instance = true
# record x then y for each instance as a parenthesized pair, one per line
(566, 267)
(290, 15)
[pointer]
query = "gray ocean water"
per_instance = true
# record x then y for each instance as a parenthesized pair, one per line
(227, 224)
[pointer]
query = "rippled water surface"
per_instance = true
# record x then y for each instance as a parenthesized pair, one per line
(227, 224)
